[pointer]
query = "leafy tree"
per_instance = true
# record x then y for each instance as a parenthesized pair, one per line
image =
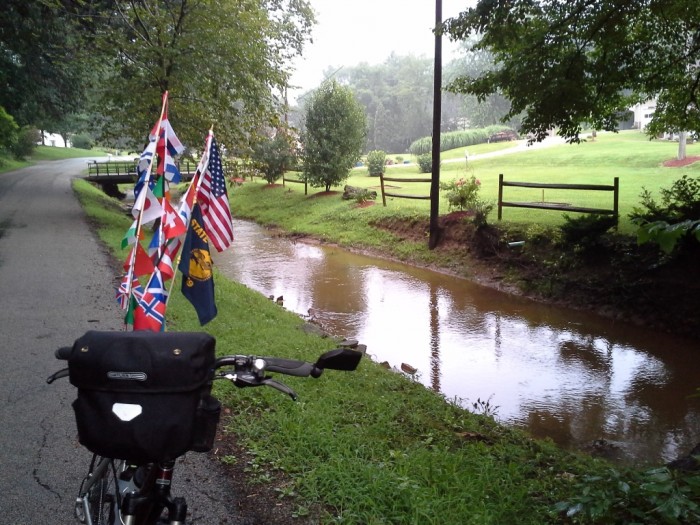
(491, 109)
(335, 131)
(8, 130)
(376, 163)
(274, 155)
(41, 71)
(223, 63)
(564, 63)
(400, 88)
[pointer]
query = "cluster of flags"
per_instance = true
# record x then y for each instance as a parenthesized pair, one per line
(202, 217)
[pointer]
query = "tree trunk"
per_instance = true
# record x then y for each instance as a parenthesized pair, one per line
(682, 136)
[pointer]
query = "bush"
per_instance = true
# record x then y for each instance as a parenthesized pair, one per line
(8, 130)
(585, 231)
(462, 194)
(376, 163)
(655, 496)
(457, 139)
(425, 163)
(82, 141)
(275, 156)
(676, 219)
(26, 142)
(680, 202)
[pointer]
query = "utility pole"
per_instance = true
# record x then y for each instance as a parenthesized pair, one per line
(434, 238)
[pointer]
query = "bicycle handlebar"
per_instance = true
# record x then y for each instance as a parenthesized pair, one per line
(251, 370)
(63, 353)
(247, 371)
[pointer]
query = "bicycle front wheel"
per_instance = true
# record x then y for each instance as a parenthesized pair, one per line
(98, 500)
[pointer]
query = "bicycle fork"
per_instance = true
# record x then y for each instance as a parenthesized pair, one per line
(153, 497)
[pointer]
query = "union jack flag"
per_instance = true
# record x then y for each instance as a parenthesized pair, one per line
(127, 288)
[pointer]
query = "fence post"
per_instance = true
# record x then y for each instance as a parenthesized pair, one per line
(500, 196)
(381, 183)
(616, 196)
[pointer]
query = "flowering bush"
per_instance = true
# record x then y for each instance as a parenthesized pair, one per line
(462, 194)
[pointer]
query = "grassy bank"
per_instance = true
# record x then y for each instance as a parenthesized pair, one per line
(367, 447)
(631, 156)
(42, 153)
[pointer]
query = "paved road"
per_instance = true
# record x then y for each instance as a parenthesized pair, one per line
(56, 282)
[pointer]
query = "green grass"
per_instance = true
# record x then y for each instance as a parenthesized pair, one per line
(42, 153)
(631, 156)
(368, 447)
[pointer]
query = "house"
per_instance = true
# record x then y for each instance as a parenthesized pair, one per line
(643, 114)
(55, 140)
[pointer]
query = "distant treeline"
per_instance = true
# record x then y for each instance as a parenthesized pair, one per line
(456, 139)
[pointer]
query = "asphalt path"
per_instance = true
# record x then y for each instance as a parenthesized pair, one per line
(56, 282)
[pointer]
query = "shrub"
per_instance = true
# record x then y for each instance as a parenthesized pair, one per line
(678, 203)
(674, 219)
(82, 141)
(586, 230)
(274, 156)
(425, 163)
(457, 139)
(376, 163)
(27, 140)
(462, 194)
(365, 195)
(8, 129)
(654, 496)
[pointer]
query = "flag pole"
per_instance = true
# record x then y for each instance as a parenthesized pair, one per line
(199, 175)
(147, 179)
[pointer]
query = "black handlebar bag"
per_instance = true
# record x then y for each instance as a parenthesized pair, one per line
(144, 396)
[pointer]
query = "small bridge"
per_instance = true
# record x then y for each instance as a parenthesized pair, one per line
(111, 173)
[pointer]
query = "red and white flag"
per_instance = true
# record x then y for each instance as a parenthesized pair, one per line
(213, 200)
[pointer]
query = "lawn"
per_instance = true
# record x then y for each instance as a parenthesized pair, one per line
(630, 156)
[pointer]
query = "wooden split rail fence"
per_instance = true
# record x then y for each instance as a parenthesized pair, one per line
(615, 188)
(286, 179)
(386, 194)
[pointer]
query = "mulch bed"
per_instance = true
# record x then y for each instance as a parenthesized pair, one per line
(675, 163)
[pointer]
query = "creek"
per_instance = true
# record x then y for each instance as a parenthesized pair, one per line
(586, 382)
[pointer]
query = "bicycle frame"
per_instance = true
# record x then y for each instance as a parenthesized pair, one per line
(136, 503)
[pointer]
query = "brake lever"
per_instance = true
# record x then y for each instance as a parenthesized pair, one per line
(281, 387)
(58, 375)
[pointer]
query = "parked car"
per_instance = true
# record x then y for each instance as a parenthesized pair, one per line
(504, 136)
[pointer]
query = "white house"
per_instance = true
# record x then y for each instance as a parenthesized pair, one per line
(643, 113)
(54, 139)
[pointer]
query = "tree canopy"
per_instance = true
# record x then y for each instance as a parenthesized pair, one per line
(41, 77)
(224, 63)
(567, 63)
(334, 135)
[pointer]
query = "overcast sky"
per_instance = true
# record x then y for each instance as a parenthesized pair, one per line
(348, 32)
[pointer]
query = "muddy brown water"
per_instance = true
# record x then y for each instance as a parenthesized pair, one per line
(584, 381)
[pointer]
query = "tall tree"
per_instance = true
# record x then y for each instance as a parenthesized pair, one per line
(334, 135)
(479, 113)
(564, 63)
(223, 62)
(41, 78)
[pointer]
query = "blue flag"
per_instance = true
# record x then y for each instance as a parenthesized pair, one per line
(196, 267)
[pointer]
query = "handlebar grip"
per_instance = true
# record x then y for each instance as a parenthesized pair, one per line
(63, 353)
(289, 367)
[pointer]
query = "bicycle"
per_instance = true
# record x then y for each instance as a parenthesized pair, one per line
(144, 399)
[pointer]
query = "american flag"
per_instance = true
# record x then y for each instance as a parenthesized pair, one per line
(214, 202)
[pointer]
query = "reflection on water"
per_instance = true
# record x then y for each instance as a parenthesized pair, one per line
(562, 374)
